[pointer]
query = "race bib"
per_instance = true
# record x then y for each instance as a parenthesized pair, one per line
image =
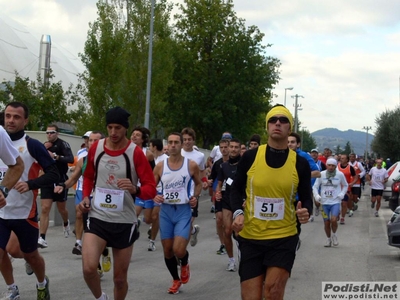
(109, 199)
(329, 192)
(3, 171)
(173, 197)
(271, 209)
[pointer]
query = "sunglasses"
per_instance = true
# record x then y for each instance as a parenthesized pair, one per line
(282, 120)
(51, 132)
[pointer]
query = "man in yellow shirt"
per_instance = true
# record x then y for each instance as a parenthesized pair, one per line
(270, 176)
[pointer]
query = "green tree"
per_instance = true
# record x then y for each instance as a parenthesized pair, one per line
(116, 56)
(337, 150)
(222, 78)
(347, 148)
(386, 142)
(47, 103)
(307, 141)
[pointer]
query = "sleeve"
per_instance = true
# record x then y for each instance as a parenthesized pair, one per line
(8, 153)
(145, 174)
(51, 173)
(67, 156)
(213, 152)
(304, 187)
(361, 167)
(238, 189)
(214, 171)
(220, 176)
(88, 175)
(315, 189)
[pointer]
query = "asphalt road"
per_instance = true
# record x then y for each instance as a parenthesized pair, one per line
(362, 255)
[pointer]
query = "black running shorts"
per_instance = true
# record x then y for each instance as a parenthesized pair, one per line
(258, 255)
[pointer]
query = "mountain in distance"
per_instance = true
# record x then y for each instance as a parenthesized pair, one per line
(331, 137)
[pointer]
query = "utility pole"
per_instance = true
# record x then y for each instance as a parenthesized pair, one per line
(367, 128)
(149, 67)
(296, 108)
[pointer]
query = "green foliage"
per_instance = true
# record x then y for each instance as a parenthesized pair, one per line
(222, 77)
(47, 103)
(347, 148)
(387, 135)
(115, 56)
(307, 141)
(337, 150)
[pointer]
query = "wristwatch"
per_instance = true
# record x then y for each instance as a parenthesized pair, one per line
(4, 190)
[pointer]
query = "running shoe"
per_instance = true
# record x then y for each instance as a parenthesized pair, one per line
(342, 221)
(212, 210)
(152, 246)
(372, 204)
(11, 294)
(221, 250)
(316, 211)
(67, 229)
(106, 262)
(149, 233)
(193, 240)
(44, 293)
(42, 243)
(376, 214)
(174, 289)
(28, 269)
(185, 273)
(335, 241)
(328, 242)
(355, 206)
(351, 212)
(231, 266)
(311, 219)
(297, 247)
(100, 270)
(77, 250)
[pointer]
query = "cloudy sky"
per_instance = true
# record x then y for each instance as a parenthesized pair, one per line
(341, 56)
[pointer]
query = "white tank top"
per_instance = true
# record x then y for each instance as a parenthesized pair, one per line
(176, 184)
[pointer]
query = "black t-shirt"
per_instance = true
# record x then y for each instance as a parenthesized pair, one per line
(63, 150)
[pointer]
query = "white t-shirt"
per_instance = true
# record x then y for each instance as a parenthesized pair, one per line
(215, 153)
(8, 153)
(377, 178)
(196, 156)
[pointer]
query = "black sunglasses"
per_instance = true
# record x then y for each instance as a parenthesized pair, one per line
(282, 120)
(51, 132)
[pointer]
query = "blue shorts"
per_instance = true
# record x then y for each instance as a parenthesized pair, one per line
(78, 197)
(175, 221)
(330, 210)
(144, 203)
(26, 230)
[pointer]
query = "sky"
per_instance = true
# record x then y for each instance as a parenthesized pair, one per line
(341, 56)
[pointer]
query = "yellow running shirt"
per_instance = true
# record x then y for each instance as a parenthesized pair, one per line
(269, 211)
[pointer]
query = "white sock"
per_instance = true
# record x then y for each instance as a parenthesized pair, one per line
(42, 285)
(231, 259)
(12, 286)
(79, 242)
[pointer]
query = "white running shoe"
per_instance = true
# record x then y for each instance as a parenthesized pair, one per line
(376, 214)
(28, 269)
(328, 242)
(152, 246)
(42, 243)
(11, 294)
(351, 213)
(193, 240)
(335, 241)
(67, 229)
(311, 219)
(231, 266)
(316, 211)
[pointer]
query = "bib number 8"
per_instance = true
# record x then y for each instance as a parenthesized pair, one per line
(108, 198)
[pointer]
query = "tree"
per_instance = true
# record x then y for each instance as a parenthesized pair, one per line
(116, 55)
(307, 141)
(386, 142)
(347, 148)
(222, 78)
(47, 103)
(338, 150)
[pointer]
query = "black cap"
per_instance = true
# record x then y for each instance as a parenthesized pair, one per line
(118, 115)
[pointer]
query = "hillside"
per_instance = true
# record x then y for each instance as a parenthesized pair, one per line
(331, 137)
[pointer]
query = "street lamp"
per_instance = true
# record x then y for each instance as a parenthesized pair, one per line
(285, 94)
(366, 142)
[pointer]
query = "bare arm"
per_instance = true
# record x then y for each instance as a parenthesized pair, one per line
(13, 173)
